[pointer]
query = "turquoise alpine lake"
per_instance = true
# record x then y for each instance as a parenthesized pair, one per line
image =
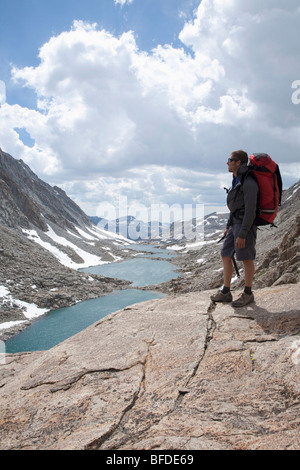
(58, 325)
(141, 272)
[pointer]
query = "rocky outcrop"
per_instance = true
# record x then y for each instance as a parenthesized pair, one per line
(281, 264)
(176, 373)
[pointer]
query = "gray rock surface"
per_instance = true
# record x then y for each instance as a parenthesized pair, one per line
(175, 373)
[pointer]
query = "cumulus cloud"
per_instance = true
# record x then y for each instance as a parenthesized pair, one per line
(2, 92)
(111, 118)
(103, 112)
(123, 2)
(150, 186)
(256, 42)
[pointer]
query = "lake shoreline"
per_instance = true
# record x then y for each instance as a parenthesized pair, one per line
(55, 327)
(113, 284)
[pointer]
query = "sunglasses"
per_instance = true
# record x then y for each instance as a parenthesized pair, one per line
(232, 160)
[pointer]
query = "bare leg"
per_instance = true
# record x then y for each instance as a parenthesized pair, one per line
(227, 270)
(249, 272)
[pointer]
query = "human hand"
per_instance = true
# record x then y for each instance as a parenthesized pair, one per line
(240, 243)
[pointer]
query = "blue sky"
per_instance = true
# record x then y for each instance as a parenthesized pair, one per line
(145, 99)
(25, 25)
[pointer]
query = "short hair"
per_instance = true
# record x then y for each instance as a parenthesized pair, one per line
(240, 155)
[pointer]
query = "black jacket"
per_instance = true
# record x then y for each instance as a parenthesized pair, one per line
(242, 201)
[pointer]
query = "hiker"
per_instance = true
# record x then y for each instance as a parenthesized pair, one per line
(240, 233)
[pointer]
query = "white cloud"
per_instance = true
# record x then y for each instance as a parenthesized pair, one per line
(150, 185)
(123, 2)
(256, 43)
(158, 125)
(2, 92)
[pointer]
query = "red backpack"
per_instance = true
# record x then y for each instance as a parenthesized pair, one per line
(268, 177)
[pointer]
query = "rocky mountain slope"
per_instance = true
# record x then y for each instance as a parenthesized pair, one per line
(46, 214)
(44, 238)
(28, 201)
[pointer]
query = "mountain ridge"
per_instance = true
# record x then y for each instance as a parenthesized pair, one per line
(48, 216)
(32, 195)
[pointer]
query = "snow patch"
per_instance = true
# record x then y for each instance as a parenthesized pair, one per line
(30, 310)
(11, 324)
(88, 258)
(295, 349)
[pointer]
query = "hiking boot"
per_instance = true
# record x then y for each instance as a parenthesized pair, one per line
(220, 297)
(243, 300)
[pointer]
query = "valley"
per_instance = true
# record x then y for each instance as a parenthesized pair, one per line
(47, 242)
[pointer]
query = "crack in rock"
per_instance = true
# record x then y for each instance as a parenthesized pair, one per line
(210, 328)
(97, 443)
(67, 383)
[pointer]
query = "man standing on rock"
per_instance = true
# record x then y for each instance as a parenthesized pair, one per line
(240, 233)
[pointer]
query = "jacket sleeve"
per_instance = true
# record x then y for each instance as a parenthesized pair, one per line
(250, 188)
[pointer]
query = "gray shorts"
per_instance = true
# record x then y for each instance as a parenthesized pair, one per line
(229, 248)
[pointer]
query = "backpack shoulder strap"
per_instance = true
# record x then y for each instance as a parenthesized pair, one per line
(279, 182)
(248, 173)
